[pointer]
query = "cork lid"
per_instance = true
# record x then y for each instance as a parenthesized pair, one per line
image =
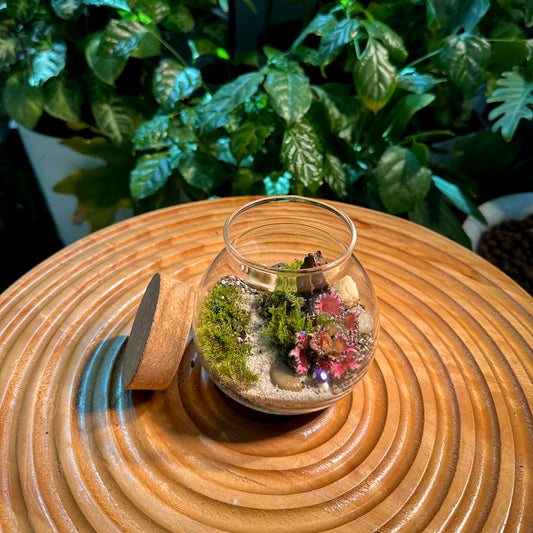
(159, 334)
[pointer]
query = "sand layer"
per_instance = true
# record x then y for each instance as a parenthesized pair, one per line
(264, 394)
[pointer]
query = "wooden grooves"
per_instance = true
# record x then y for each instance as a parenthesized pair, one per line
(438, 436)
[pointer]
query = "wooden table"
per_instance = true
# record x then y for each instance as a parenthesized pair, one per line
(438, 436)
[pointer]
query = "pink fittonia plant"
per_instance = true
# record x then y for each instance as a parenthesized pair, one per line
(330, 303)
(332, 346)
(300, 352)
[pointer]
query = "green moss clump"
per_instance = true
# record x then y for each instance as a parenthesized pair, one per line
(283, 324)
(221, 326)
(283, 308)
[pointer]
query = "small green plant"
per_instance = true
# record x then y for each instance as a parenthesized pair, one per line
(283, 310)
(284, 321)
(223, 323)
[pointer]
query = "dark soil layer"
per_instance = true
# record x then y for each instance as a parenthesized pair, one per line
(509, 246)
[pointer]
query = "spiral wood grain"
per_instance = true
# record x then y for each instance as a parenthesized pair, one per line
(438, 436)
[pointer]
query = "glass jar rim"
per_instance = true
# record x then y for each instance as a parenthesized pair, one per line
(294, 199)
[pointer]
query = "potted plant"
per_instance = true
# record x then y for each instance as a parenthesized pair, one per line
(409, 107)
(374, 103)
(82, 72)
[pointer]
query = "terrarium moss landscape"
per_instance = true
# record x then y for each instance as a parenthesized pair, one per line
(294, 348)
(408, 106)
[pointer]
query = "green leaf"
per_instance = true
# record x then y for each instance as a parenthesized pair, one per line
(289, 95)
(152, 172)
(402, 180)
(335, 174)
(22, 10)
(528, 14)
(388, 37)
(101, 190)
(172, 83)
(149, 46)
(421, 152)
(479, 155)
(66, 9)
(63, 99)
(245, 181)
(278, 187)
(182, 134)
(341, 108)
(180, 19)
(336, 37)
(515, 95)
(10, 47)
(121, 37)
(403, 111)
(113, 118)
(447, 17)
(106, 68)
(48, 63)
(465, 59)
(458, 197)
(201, 171)
(435, 213)
(249, 138)
(230, 96)
(374, 76)
(117, 4)
(302, 154)
(152, 134)
(506, 54)
(147, 11)
(320, 25)
(221, 149)
(415, 82)
(100, 147)
(23, 102)
(202, 46)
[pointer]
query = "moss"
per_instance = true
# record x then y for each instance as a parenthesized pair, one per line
(284, 322)
(223, 323)
(287, 284)
(283, 308)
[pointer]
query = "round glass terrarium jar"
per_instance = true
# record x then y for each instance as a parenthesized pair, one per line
(286, 319)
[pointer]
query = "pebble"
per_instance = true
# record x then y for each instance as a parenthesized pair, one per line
(346, 288)
(284, 378)
(365, 321)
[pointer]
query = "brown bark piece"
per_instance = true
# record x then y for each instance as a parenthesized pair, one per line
(316, 282)
(159, 334)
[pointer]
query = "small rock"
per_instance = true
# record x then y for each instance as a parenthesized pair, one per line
(346, 288)
(365, 321)
(284, 378)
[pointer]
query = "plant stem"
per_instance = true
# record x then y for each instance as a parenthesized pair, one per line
(361, 125)
(177, 55)
(266, 25)
(423, 58)
(423, 134)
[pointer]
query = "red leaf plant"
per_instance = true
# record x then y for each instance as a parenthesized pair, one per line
(332, 346)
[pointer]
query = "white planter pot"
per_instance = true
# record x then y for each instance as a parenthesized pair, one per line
(51, 162)
(510, 207)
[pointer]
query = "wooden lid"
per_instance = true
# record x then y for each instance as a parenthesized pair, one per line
(159, 334)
